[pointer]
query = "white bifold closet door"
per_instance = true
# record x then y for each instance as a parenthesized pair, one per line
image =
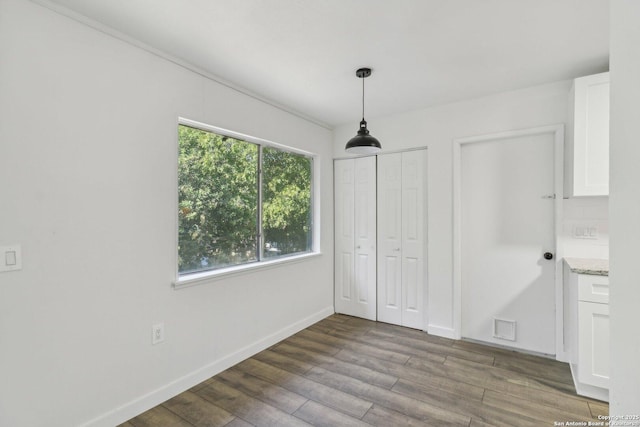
(402, 243)
(355, 237)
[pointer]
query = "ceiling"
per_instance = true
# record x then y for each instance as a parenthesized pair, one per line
(302, 54)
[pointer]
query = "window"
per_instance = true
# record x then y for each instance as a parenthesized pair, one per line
(239, 202)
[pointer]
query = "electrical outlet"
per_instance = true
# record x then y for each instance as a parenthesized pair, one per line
(585, 231)
(157, 333)
(10, 258)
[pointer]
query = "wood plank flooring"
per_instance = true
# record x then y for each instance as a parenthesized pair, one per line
(346, 371)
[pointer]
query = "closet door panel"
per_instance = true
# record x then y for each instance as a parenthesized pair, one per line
(390, 238)
(412, 284)
(344, 281)
(365, 233)
(355, 237)
(413, 240)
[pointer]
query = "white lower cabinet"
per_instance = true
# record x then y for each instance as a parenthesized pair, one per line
(587, 333)
(593, 344)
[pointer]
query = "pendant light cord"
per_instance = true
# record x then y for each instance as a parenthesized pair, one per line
(362, 98)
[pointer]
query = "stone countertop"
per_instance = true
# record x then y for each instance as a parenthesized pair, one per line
(597, 267)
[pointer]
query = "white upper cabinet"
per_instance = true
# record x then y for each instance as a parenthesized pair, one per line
(587, 163)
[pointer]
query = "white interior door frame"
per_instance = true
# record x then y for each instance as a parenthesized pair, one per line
(558, 134)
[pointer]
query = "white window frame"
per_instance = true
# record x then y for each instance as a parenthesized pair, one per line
(197, 278)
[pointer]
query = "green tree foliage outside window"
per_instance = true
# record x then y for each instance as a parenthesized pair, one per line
(218, 181)
(286, 202)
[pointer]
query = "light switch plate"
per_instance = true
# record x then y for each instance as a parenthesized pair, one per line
(10, 258)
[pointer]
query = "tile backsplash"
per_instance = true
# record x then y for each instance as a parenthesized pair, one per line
(585, 227)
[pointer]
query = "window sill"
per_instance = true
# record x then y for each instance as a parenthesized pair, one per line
(204, 277)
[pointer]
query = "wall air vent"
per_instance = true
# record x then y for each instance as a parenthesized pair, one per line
(504, 329)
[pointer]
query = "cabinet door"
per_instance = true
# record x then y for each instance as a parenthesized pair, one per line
(591, 136)
(355, 237)
(593, 344)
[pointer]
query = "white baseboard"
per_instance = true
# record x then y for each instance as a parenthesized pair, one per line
(562, 356)
(143, 403)
(443, 332)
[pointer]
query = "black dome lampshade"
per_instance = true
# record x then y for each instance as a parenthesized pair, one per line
(363, 142)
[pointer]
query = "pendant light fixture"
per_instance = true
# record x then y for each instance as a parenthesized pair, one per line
(363, 143)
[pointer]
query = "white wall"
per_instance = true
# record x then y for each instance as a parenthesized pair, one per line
(88, 157)
(436, 128)
(625, 207)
